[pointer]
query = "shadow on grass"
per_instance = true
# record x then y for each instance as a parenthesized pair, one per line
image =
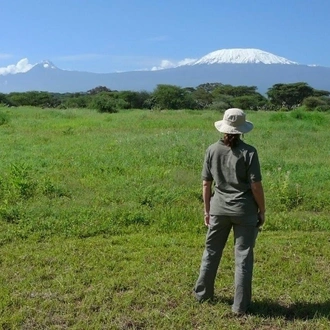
(300, 310)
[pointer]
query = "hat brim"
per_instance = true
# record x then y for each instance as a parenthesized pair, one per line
(222, 127)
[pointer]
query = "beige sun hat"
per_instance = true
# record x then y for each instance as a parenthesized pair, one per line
(233, 122)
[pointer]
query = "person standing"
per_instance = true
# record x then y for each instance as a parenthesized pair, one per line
(233, 198)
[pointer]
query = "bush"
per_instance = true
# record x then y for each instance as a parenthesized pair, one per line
(310, 117)
(313, 102)
(299, 114)
(79, 101)
(122, 104)
(104, 103)
(322, 108)
(218, 105)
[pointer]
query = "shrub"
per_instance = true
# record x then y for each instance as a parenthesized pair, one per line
(122, 104)
(4, 119)
(104, 103)
(299, 114)
(218, 105)
(311, 117)
(313, 102)
(322, 108)
(22, 182)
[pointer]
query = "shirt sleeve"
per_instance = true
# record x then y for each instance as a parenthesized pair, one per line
(206, 171)
(253, 171)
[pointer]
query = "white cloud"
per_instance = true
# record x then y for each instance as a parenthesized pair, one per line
(130, 62)
(187, 61)
(166, 64)
(22, 66)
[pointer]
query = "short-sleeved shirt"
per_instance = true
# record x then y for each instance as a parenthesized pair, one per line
(232, 170)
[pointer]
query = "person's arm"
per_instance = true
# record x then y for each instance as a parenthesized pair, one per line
(258, 194)
(207, 191)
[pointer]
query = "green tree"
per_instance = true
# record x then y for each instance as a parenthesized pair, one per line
(289, 95)
(172, 97)
(104, 102)
(18, 99)
(3, 99)
(189, 89)
(34, 98)
(249, 102)
(143, 96)
(222, 100)
(202, 97)
(98, 89)
(149, 103)
(76, 101)
(209, 87)
(234, 91)
(320, 93)
(135, 100)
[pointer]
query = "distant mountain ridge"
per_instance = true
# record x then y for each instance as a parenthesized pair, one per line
(252, 67)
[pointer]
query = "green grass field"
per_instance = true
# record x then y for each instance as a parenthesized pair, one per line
(101, 222)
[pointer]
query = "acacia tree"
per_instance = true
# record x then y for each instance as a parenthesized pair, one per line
(289, 95)
(209, 87)
(245, 97)
(135, 100)
(202, 97)
(321, 93)
(172, 97)
(104, 102)
(234, 91)
(98, 89)
(249, 102)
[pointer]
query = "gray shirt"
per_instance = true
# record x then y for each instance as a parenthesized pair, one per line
(232, 170)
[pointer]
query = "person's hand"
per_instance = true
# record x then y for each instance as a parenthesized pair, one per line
(261, 219)
(207, 219)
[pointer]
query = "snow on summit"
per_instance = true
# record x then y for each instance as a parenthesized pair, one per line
(242, 55)
(47, 64)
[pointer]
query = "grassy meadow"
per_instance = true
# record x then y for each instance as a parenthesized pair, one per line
(101, 221)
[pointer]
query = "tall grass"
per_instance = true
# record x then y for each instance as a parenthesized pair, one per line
(101, 222)
(80, 173)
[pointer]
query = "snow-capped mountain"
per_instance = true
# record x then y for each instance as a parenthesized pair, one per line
(250, 67)
(242, 56)
(229, 56)
(46, 64)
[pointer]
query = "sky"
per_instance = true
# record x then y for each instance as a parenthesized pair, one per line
(106, 36)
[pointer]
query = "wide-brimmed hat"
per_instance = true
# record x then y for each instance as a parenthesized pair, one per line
(233, 122)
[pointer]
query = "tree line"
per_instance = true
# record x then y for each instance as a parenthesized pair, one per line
(216, 96)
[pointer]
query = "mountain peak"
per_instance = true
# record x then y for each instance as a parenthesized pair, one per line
(46, 64)
(242, 55)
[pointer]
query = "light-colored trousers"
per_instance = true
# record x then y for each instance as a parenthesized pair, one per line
(245, 233)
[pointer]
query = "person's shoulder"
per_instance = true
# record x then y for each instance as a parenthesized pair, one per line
(215, 145)
(245, 146)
